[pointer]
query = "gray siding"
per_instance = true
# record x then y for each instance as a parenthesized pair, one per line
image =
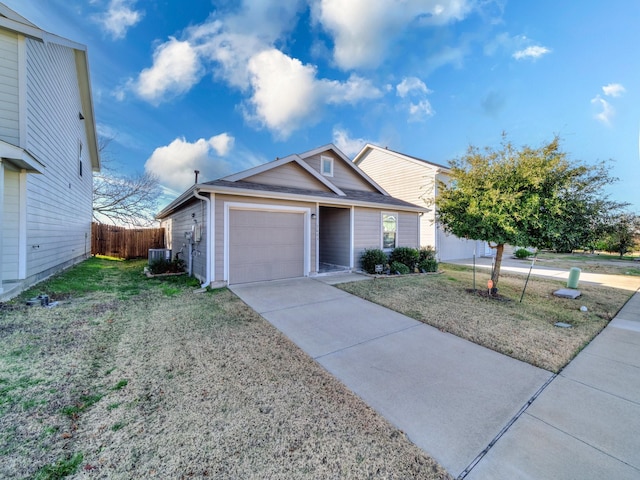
(367, 232)
(59, 202)
(408, 230)
(182, 222)
(343, 175)
(9, 94)
(10, 225)
(335, 235)
(288, 175)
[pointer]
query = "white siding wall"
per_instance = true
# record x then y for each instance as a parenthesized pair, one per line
(11, 225)
(59, 202)
(9, 100)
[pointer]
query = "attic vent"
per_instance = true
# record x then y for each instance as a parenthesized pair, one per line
(326, 166)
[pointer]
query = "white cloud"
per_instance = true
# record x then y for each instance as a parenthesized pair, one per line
(613, 90)
(418, 111)
(287, 94)
(606, 113)
(176, 68)
(174, 164)
(409, 85)
(349, 146)
(534, 51)
(119, 17)
(363, 29)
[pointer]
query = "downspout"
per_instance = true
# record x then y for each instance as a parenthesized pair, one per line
(207, 282)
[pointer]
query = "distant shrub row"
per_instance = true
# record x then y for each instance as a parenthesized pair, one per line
(401, 260)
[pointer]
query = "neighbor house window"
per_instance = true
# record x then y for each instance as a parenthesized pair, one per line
(326, 166)
(389, 230)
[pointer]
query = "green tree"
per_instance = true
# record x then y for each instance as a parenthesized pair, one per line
(624, 234)
(529, 196)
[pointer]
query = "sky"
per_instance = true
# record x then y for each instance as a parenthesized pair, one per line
(220, 86)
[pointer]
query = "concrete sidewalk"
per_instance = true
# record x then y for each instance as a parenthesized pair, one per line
(586, 423)
(451, 397)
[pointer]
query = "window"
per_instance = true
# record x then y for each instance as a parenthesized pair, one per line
(80, 158)
(389, 230)
(326, 166)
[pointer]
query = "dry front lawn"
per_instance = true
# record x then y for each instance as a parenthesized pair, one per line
(143, 378)
(524, 330)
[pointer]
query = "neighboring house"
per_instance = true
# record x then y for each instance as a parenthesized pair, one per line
(48, 151)
(295, 216)
(416, 181)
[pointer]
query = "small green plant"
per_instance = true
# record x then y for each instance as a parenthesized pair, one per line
(85, 402)
(121, 384)
(522, 253)
(162, 265)
(372, 257)
(428, 265)
(405, 255)
(399, 268)
(427, 253)
(61, 468)
(117, 426)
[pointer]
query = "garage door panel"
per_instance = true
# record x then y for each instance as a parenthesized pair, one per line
(265, 245)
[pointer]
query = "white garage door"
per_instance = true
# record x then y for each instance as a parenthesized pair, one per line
(265, 245)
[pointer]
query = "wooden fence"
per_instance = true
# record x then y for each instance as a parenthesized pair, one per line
(124, 242)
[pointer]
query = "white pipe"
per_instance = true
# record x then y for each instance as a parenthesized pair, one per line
(207, 282)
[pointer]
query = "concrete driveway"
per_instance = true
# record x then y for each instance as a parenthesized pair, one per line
(451, 397)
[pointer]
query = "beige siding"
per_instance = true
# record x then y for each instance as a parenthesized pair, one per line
(288, 175)
(182, 222)
(59, 202)
(367, 232)
(9, 99)
(409, 181)
(220, 233)
(343, 175)
(10, 225)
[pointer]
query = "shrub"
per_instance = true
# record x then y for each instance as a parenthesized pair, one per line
(405, 255)
(522, 253)
(372, 257)
(427, 253)
(163, 265)
(399, 268)
(428, 265)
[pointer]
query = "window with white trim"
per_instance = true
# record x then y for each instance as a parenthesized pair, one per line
(389, 230)
(326, 166)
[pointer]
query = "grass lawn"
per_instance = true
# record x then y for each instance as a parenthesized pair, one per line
(592, 263)
(130, 377)
(524, 330)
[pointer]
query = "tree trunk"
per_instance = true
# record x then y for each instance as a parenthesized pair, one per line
(495, 275)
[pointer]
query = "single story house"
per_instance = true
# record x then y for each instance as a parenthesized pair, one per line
(48, 152)
(296, 216)
(415, 180)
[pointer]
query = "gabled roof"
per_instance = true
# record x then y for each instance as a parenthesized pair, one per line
(279, 162)
(15, 22)
(369, 147)
(237, 184)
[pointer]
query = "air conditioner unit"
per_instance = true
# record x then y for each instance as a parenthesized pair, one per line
(159, 254)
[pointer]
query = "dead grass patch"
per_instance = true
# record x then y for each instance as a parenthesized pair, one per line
(524, 330)
(151, 385)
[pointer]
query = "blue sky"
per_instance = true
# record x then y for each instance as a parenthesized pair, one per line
(222, 85)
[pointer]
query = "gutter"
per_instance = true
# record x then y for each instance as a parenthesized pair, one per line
(207, 282)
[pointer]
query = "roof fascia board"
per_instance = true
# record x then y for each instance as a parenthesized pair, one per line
(21, 158)
(306, 198)
(84, 83)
